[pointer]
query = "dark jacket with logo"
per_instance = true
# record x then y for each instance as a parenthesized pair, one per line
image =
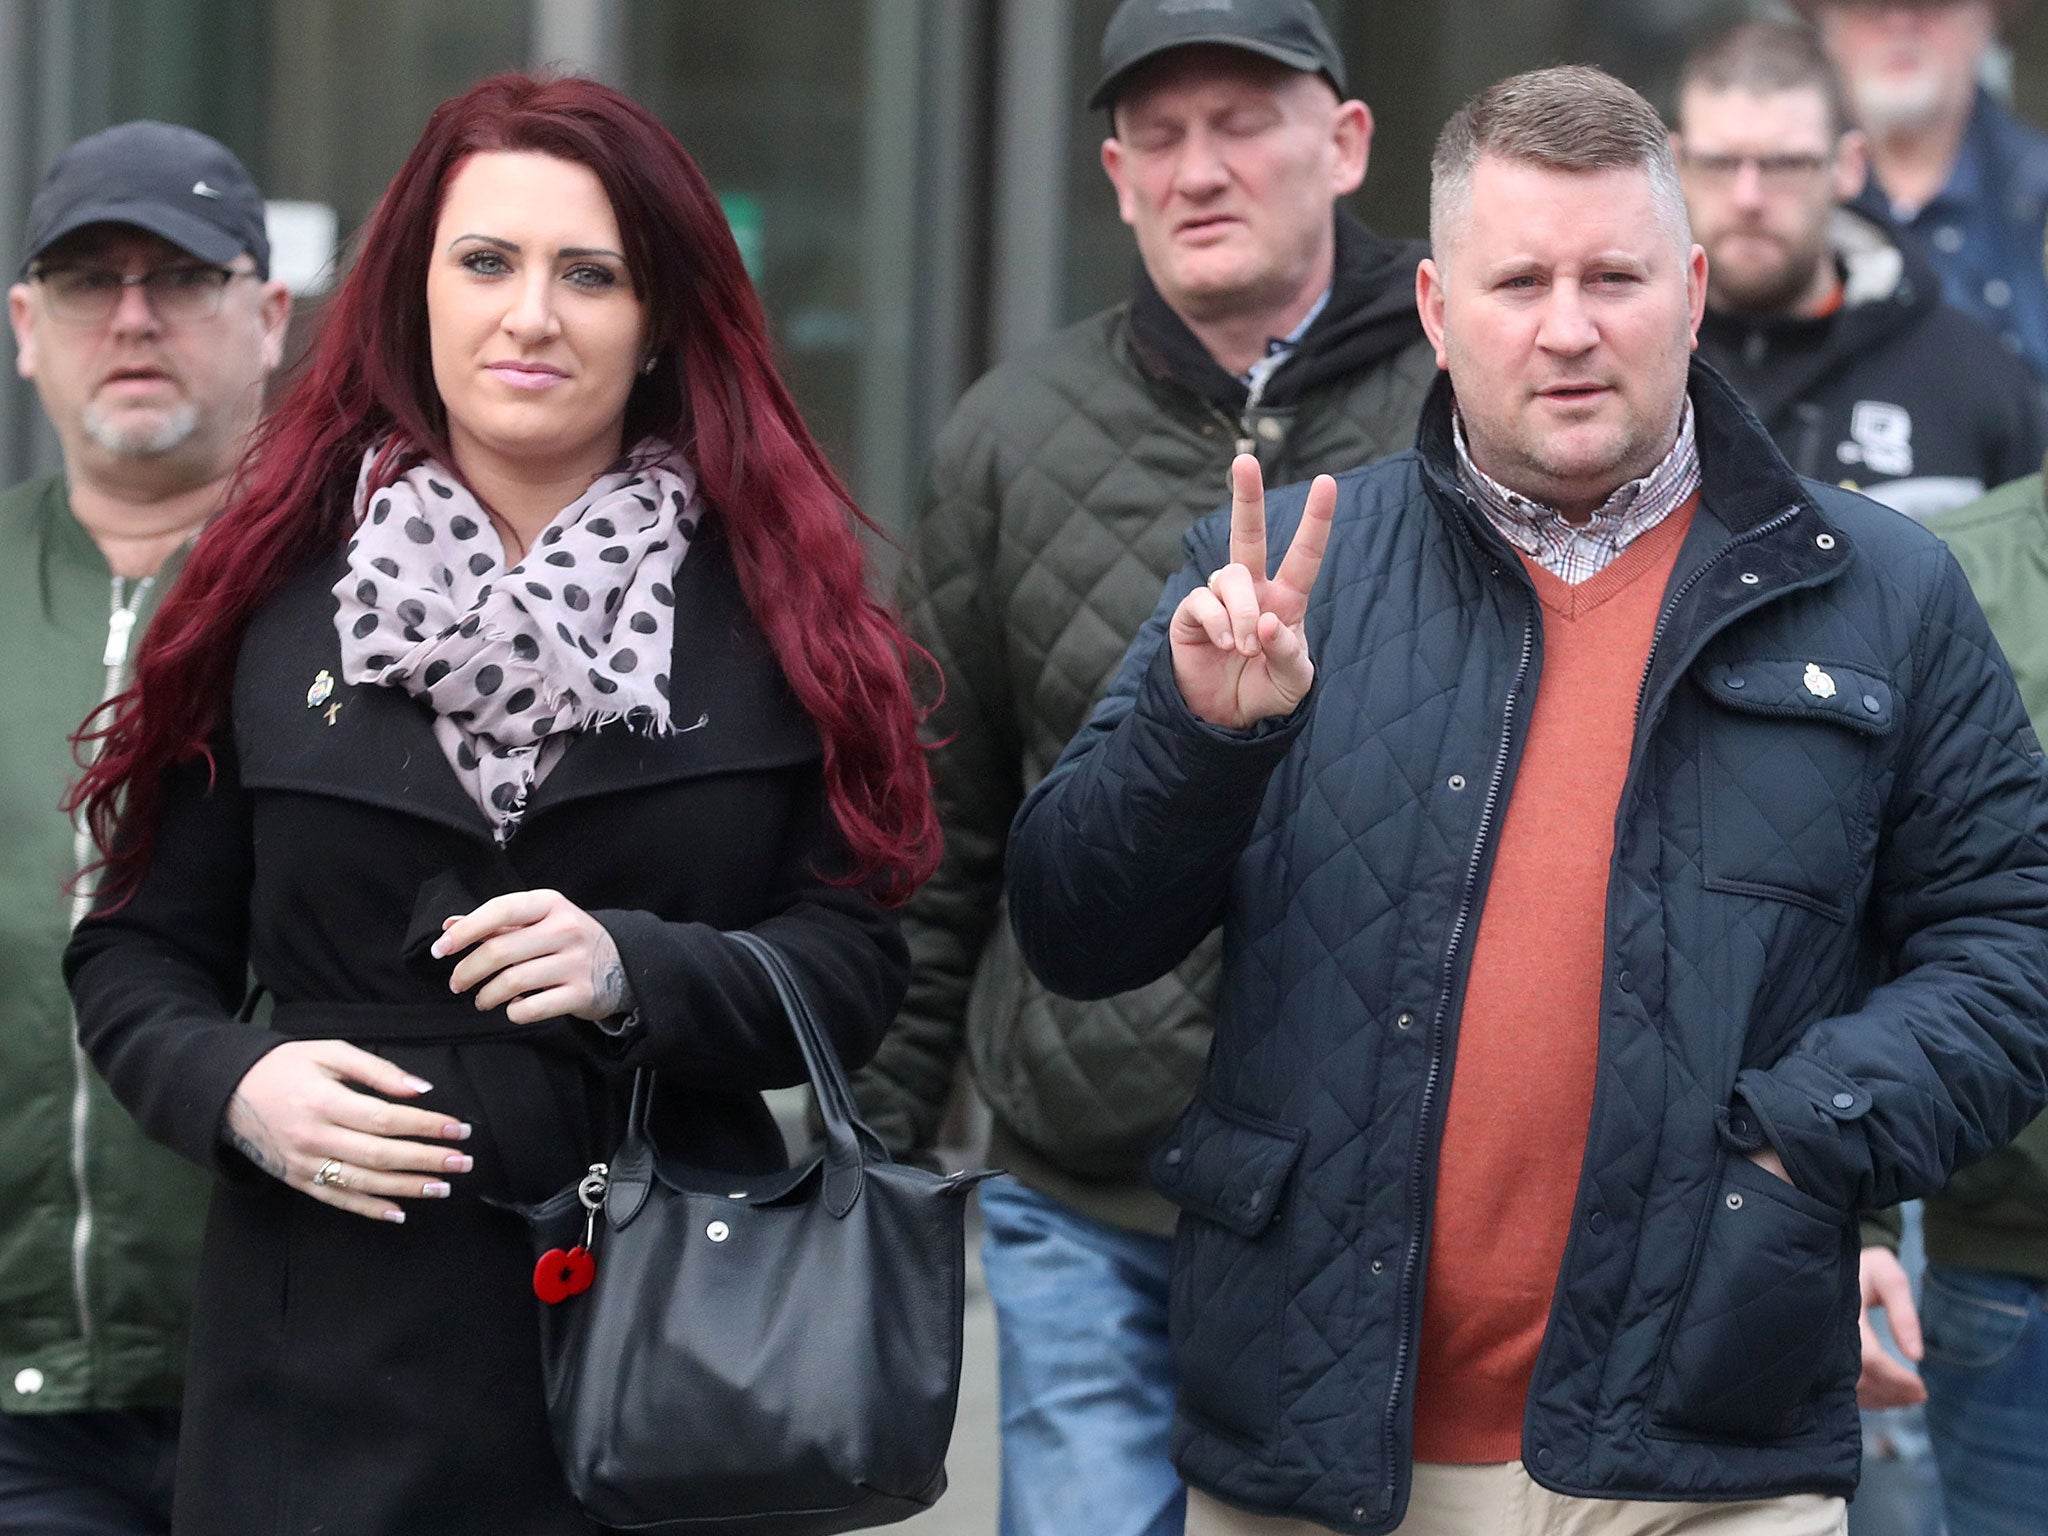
(1896, 394)
(1054, 506)
(1827, 930)
(353, 1376)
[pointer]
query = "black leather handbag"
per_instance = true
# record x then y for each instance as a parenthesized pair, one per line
(771, 1354)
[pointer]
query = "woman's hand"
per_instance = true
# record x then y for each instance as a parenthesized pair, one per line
(295, 1116)
(539, 955)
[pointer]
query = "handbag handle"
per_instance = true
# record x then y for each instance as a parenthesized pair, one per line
(850, 1143)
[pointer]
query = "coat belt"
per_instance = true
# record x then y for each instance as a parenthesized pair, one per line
(450, 1023)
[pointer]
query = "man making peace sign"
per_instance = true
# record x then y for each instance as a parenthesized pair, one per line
(1632, 862)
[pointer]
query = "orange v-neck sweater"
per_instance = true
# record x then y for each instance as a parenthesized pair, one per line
(1528, 1036)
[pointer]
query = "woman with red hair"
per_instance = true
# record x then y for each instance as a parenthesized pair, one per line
(531, 654)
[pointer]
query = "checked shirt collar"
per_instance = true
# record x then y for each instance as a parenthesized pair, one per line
(1576, 554)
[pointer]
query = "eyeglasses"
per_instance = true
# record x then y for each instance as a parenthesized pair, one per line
(1778, 173)
(175, 295)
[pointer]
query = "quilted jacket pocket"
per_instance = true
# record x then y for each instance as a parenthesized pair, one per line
(1786, 790)
(1228, 1173)
(1763, 1315)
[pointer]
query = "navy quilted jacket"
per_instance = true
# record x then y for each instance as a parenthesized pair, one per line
(1828, 928)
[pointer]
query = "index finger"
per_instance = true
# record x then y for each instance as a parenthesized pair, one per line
(351, 1063)
(1248, 516)
(1304, 557)
(1895, 1294)
(515, 910)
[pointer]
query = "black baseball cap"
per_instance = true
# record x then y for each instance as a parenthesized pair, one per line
(172, 181)
(1291, 32)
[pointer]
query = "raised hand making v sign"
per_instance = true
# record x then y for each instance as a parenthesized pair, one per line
(1239, 654)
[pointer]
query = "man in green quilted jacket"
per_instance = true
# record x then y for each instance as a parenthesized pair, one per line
(1263, 319)
(146, 318)
(1980, 1330)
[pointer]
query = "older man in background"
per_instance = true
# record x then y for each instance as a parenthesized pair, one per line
(1950, 163)
(146, 317)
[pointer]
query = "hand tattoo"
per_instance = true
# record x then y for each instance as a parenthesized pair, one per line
(610, 992)
(253, 1150)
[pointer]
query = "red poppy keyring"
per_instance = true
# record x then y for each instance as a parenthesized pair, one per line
(559, 1274)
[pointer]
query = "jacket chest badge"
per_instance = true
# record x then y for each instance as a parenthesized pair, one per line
(321, 691)
(1819, 683)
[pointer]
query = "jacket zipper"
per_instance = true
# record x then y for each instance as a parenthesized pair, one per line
(1664, 619)
(1418, 1169)
(123, 609)
(1762, 530)
(1240, 428)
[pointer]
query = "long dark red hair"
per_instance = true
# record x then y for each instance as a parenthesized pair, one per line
(714, 392)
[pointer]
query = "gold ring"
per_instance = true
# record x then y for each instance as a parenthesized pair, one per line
(330, 1173)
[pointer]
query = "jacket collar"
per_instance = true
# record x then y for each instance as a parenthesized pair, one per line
(732, 709)
(2011, 157)
(1758, 536)
(2001, 160)
(1743, 477)
(1370, 316)
(41, 535)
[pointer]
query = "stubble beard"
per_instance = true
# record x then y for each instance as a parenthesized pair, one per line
(1529, 464)
(1775, 289)
(170, 431)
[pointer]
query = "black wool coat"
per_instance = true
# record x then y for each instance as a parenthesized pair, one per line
(350, 1376)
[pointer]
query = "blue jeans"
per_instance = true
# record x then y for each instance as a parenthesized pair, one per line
(87, 1474)
(1987, 1399)
(1084, 1376)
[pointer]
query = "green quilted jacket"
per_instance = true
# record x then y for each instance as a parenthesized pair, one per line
(1994, 1215)
(99, 1226)
(1052, 515)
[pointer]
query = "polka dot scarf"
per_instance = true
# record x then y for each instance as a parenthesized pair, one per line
(575, 636)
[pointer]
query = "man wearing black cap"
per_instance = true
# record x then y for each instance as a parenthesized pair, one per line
(1262, 320)
(146, 317)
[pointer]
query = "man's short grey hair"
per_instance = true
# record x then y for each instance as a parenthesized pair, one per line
(1572, 118)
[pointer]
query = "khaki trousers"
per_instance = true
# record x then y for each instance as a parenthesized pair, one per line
(1500, 1499)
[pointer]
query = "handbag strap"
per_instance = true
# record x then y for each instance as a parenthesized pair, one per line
(850, 1143)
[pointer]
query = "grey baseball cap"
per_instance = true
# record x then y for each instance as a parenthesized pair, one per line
(1291, 32)
(172, 181)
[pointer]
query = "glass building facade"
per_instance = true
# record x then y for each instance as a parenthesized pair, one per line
(915, 182)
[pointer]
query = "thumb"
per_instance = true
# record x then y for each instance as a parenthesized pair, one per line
(1287, 658)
